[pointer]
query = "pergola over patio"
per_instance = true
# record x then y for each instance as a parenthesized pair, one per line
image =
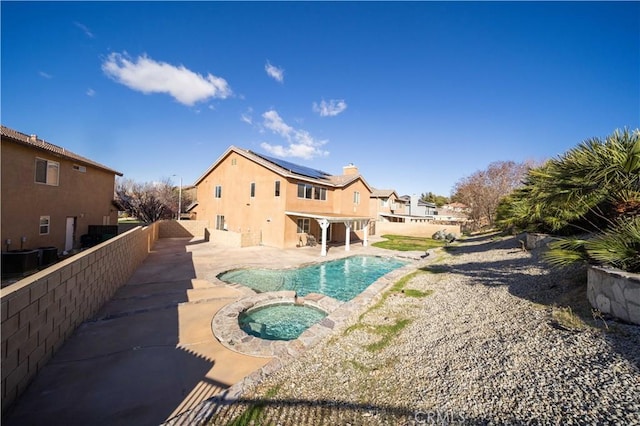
(326, 219)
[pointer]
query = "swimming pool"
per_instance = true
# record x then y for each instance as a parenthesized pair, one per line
(342, 279)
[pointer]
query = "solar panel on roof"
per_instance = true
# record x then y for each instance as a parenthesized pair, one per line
(295, 168)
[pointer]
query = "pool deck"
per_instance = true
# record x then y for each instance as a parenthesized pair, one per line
(149, 354)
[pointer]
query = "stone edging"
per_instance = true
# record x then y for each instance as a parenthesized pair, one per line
(614, 292)
(227, 330)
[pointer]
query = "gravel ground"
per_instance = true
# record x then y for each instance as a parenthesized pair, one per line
(484, 348)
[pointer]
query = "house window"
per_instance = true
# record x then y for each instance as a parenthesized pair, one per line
(220, 222)
(44, 225)
(303, 226)
(356, 197)
(47, 172)
(305, 191)
(319, 193)
(277, 188)
(253, 190)
(218, 191)
(78, 168)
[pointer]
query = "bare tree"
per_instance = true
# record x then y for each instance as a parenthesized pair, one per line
(483, 190)
(149, 201)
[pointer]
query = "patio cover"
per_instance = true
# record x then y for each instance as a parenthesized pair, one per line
(325, 219)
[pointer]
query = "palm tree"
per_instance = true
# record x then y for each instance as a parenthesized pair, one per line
(617, 246)
(593, 190)
(596, 180)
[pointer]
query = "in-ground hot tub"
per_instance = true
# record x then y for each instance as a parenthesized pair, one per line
(265, 318)
(280, 320)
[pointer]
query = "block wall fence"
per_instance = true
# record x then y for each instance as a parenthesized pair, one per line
(234, 239)
(40, 312)
(183, 228)
(419, 229)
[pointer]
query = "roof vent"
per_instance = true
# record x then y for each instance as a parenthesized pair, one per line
(33, 138)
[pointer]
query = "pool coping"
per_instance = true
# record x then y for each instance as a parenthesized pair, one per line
(226, 329)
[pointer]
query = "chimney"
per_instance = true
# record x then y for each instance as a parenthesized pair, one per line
(350, 170)
(33, 138)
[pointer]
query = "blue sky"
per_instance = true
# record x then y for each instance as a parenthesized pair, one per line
(416, 94)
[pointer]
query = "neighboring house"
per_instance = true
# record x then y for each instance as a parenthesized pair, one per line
(50, 195)
(454, 211)
(386, 206)
(421, 208)
(414, 209)
(456, 207)
(272, 202)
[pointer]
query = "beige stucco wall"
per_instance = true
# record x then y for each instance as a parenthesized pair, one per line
(243, 214)
(41, 311)
(261, 219)
(86, 196)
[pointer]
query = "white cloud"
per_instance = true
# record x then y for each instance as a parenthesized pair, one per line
(91, 92)
(45, 75)
(247, 116)
(274, 72)
(84, 29)
(300, 143)
(331, 108)
(276, 124)
(149, 76)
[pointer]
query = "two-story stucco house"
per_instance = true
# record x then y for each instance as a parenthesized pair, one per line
(386, 206)
(273, 202)
(50, 195)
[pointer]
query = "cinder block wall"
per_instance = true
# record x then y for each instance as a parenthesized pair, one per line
(413, 229)
(226, 238)
(183, 228)
(41, 311)
(250, 239)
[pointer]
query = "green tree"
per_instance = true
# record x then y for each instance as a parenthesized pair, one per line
(438, 200)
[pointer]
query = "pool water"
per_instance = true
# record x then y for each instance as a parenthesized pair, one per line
(279, 321)
(342, 279)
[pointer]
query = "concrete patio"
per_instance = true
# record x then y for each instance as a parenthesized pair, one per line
(150, 354)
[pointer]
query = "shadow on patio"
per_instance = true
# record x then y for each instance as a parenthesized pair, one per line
(146, 356)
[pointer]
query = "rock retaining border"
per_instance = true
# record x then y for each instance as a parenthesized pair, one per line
(614, 292)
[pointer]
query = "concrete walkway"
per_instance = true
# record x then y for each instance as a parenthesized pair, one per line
(150, 354)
